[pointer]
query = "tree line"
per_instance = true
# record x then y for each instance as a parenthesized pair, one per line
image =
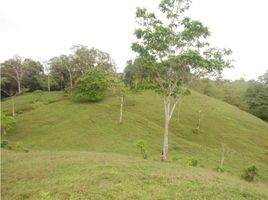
(25, 74)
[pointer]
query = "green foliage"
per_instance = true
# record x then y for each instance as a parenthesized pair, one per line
(193, 162)
(257, 97)
(220, 169)
(4, 144)
(7, 123)
(45, 196)
(91, 86)
(140, 144)
(250, 173)
(196, 130)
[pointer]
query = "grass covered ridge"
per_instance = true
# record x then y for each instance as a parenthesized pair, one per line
(68, 138)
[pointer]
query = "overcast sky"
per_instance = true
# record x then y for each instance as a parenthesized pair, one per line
(41, 29)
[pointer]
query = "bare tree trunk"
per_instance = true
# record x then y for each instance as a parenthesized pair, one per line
(13, 106)
(19, 87)
(71, 80)
(121, 109)
(48, 83)
(165, 144)
(169, 110)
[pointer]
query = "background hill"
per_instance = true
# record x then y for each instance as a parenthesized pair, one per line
(55, 128)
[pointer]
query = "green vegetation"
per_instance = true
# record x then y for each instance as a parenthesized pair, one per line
(173, 50)
(250, 173)
(7, 123)
(250, 96)
(67, 143)
(74, 146)
(91, 175)
(91, 86)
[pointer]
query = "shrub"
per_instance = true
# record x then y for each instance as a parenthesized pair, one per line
(45, 196)
(91, 86)
(250, 173)
(192, 162)
(7, 123)
(220, 169)
(141, 146)
(195, 130)
(4, 144)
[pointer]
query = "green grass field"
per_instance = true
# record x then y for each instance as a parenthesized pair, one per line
(80, 151)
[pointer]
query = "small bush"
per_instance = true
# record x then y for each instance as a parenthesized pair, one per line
(7, 123)
(220, 169)
(195, 130)
(4, 144)
(192, 162)
(141, 146)
(250, 173)
(45, 196)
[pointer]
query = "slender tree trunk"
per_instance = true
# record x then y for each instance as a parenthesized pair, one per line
(19, 87)
(165, 144)
(169, 110)
(13, 106)
(71, 80)
(121, 109)
(48, 83)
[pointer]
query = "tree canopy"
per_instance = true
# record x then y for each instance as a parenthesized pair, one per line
(173, 49)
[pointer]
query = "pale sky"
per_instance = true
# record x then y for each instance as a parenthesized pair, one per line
(41, 29)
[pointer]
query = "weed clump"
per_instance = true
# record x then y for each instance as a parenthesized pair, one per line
(141, 146)
(250, 173)
(192, 162)
(4, 144)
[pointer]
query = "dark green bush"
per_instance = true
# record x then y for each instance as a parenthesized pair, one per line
(250, 173)
(91, 86)
(4, 144)
(195, 130)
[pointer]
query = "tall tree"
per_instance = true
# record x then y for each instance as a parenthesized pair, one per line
(58, 73)
(68, 63)
(85, 58)
(174, 50)
(15, 69)
(134, 73)
(34, 75)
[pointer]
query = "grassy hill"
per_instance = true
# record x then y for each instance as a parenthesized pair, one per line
(81, 148)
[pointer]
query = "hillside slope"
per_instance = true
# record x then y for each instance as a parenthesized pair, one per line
(90, 175)
(58, 130)
(52, 122)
